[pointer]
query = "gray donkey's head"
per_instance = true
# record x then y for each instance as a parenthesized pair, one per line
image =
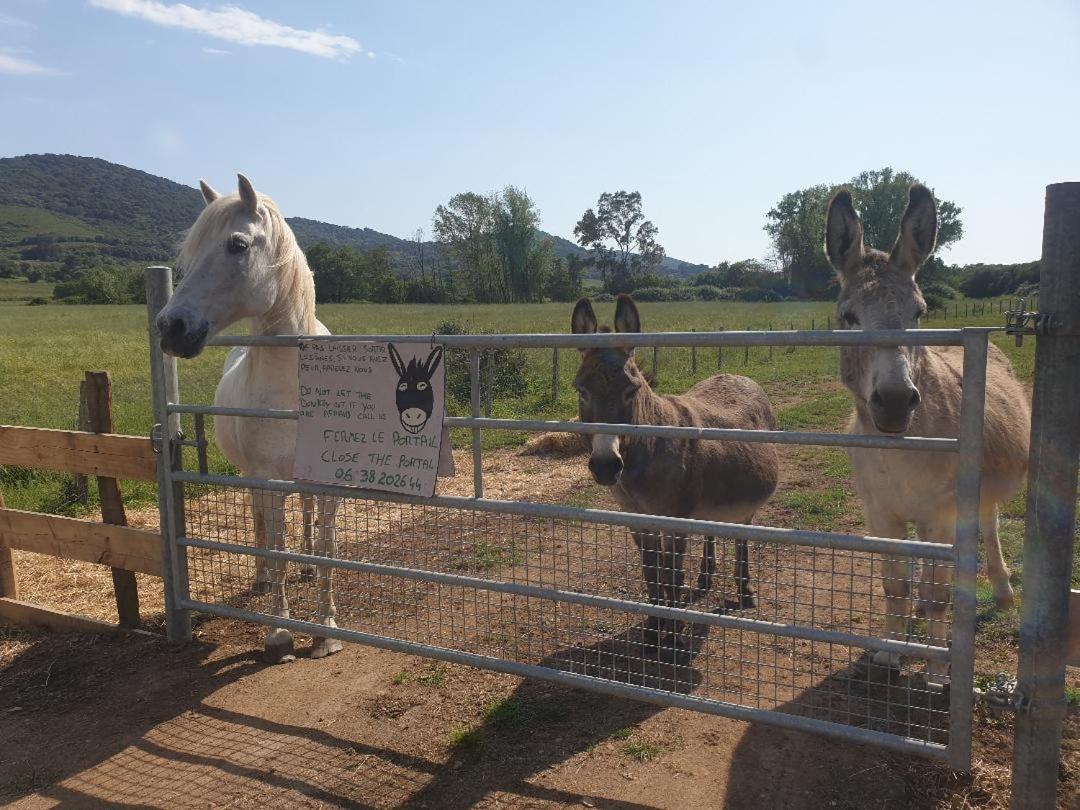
(878, 291)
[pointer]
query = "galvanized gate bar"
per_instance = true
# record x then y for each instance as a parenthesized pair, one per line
(741, 531)
(966, 547)
(164, 388)
(843, 337)
(659, 697)
(941, 445)
(928, 652)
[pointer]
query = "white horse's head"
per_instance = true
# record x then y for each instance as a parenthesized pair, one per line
(233, 265)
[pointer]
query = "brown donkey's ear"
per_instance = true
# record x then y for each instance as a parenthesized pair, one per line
(918, 231)
(583, 321)
(626, 315)
(843, 234)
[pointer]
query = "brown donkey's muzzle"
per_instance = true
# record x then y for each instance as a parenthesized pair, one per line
(892, 407)
(606, 469)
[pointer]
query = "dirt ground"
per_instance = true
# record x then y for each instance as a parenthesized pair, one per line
(133, 721)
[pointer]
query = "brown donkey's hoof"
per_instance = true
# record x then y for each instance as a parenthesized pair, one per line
(743, 601)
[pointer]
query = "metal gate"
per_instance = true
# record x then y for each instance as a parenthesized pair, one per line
(554, 590)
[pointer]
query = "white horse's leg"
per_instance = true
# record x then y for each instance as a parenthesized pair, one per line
(896, 582)
(262, 570)
(327, 547)
(935, 592)
(996, 569)
(278, 642)
(307, 506)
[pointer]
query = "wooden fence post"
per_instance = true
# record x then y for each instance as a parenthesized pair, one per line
(81, 491)
(746, 355)
(9, 583)
(770, 345)
(555, 374)
(98, 388)
(656, 364)
(693, 356)
(719, 351)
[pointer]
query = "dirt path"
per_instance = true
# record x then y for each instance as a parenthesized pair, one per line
(133, 722)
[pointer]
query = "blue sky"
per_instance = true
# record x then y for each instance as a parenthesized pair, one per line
(370, 114)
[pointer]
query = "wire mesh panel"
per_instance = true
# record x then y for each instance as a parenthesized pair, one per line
(749, 664)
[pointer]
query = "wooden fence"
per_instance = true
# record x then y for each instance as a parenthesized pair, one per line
(111, 542)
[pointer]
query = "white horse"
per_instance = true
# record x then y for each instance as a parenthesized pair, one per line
(240, 260)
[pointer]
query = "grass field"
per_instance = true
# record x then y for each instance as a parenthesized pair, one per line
(45, 350)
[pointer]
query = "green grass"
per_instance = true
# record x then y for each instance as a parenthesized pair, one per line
(815, 508)
(466, 739)
(642, 750)
(19, 290)
(45, 350)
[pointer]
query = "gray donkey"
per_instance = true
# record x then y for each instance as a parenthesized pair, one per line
(917, 390)
(703, 480)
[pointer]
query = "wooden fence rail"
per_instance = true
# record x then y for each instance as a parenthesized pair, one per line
(108, 457)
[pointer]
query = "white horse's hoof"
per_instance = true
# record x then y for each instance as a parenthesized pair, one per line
(886, 660)
(322, 646)
(1004, 597)
(278, 646)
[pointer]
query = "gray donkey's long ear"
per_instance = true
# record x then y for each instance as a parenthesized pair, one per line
(247, 194)
(843, 235)
(208, 194)
(583, 321)
(627, 318)
(918, 231)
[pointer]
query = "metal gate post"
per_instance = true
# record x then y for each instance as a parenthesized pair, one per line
(966, 548)
(1051, 507)
(164, 387)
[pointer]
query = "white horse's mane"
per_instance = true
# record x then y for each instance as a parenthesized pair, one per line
(296, 287)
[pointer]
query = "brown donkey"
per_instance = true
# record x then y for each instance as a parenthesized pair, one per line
(916, 390)
(704, 480)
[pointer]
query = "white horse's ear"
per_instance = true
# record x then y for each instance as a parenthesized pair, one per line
(247, 194)
(208, 194)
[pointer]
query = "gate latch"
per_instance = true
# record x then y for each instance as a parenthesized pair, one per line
(1020, 322)
(1000, 693)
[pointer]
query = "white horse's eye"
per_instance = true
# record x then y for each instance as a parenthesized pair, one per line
(403, 387)
(237, 244)
(421, 386)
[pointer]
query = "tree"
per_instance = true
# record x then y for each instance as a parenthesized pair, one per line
(796, 225)
(493, 240)
(563, 282)
(621, 241)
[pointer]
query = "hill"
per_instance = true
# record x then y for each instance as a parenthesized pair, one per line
(93, 205)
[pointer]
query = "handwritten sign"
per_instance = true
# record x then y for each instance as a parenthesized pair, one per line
(371, 416)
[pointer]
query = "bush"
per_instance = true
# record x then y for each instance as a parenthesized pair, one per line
(758, 295)
(707, 292)
(37, 302)
(937, 295)
(664, 294)
(510, 367)
(603, 298)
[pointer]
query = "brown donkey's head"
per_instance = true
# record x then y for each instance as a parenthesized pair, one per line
(607, 383)
(878, 291)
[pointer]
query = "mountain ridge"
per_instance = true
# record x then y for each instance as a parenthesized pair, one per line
(122, 204)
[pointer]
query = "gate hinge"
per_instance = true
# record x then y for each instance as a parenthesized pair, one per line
(156, 434)
(1020, 322)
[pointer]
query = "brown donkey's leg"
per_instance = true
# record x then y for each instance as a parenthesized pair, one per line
(648, 544)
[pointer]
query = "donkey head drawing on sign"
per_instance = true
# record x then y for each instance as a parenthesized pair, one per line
(415, 399)
(703, 480)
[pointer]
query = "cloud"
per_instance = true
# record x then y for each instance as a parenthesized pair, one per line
(216, 52)
(13, 65)
(15, 22)
(236, 25)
